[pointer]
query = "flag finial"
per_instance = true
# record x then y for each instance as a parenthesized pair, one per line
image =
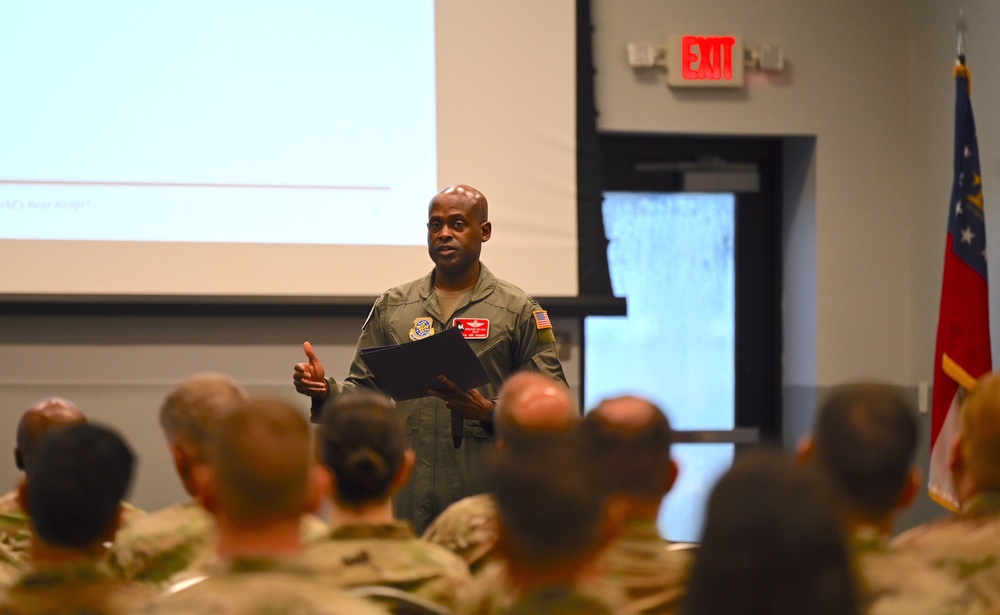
(960, 28)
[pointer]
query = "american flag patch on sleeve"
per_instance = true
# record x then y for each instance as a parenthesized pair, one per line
(542, 319)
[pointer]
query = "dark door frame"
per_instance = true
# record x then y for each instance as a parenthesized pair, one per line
(757, 244)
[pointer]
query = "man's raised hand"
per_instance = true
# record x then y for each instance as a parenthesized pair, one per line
(309, 377)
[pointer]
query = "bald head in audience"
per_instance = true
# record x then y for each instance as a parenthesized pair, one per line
(531, 409)
(190, 415)
(41, 418)
(531, 404)
(633, 437)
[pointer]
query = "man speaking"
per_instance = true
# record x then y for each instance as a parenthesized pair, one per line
(505, 327)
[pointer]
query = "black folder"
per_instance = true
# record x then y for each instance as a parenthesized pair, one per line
(408, 371)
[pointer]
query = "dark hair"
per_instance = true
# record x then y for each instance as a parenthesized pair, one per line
(550, 499)
(364, 440)
(865, 437)
(77, 478)
(771, 545)
(636, 453)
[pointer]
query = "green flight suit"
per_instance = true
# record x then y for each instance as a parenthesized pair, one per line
(517, 339)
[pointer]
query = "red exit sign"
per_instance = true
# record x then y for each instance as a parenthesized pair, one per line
(705, 61)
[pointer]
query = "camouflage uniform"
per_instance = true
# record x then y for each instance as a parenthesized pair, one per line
(559, 601)
(261, 586)
(638, 565)
(492, 592)
(641, 565)
(15, 526)
(893, 584)
(79, 588)
(11, 566)
(467, 528)
(392, 555)
(965, 547)
(518, 338)
(176, 542)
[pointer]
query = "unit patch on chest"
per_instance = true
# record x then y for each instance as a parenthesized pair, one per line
(422, 327)
(473, 328)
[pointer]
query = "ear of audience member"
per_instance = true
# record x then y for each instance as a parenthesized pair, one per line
(531, 407)
(771, 544)
(73, 489)
(631, 437)
(554, 522)
(365, 448)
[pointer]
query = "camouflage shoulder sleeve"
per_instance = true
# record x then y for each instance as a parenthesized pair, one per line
(467, 528)
(158, 546)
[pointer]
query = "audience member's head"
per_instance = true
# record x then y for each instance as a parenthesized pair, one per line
(261, 467)
(632, 437)
(771, 544)
(530, 404)
(864, 438)
(364, 445)
(190, 415)
(552, 506)
(74, 486)
(975, 461)
(40, 419)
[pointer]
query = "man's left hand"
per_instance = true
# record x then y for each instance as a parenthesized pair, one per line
(470, 404)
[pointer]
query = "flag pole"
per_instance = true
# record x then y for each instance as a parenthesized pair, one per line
(962, 351)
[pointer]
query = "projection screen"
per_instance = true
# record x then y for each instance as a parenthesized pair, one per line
(279, 149)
